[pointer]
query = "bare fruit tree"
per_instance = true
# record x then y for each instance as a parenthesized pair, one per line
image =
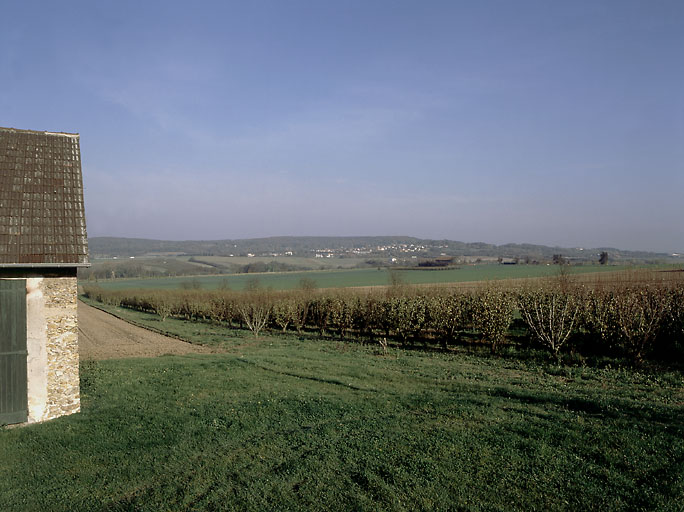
(255, 309)
(550, 314)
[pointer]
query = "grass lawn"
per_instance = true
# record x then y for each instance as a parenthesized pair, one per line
(357, 277)
(281, 423)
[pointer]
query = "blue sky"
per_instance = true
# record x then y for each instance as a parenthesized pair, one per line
(559, 123)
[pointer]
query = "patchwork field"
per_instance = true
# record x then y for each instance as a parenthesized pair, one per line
(355, 277)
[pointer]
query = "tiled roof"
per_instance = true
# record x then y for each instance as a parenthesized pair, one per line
(42, 219)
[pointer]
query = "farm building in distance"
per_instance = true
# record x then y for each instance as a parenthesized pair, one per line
(440, 261)
(42, 243)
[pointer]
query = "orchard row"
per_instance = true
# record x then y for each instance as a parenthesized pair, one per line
(637, 322)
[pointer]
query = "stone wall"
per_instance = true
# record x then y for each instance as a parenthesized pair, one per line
(51, 342)
(60, 309)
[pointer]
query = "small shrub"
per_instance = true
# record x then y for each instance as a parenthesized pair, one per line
(448, 315)
(492, 315)
(284, 312)
(638, 315)
(340, 314)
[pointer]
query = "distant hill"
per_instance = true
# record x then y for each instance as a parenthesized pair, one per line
(366, 246)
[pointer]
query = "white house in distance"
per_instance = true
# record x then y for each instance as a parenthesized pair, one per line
(43, 241)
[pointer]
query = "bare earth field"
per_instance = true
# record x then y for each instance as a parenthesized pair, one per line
(103, 336)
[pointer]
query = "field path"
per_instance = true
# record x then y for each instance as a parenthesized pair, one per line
(103, 336)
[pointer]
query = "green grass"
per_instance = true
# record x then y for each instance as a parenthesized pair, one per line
(286, 424)
(357, 277)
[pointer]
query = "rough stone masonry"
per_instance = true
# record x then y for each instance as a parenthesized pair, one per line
(52, 345)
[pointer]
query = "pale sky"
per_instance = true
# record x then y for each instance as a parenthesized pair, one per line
(551, 122)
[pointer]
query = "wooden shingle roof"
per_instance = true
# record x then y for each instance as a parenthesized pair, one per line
(42, 218)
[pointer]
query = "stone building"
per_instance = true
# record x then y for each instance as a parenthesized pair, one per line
(43, 241)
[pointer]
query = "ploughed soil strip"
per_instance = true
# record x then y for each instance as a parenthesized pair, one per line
(103, 336)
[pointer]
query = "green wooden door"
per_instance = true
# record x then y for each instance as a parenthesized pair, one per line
(13, 398)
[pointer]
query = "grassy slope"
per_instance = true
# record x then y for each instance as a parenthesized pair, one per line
(358, 277)
(280, 423)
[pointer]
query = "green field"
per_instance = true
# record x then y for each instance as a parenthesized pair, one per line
(295, 261)
(286, 424)
(356, 277)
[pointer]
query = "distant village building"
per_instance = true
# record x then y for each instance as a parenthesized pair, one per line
(43, 241)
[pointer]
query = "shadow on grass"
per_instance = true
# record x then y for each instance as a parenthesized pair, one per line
(616, 409)
(334, 382)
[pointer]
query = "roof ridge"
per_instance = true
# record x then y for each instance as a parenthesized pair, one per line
(39, 132)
